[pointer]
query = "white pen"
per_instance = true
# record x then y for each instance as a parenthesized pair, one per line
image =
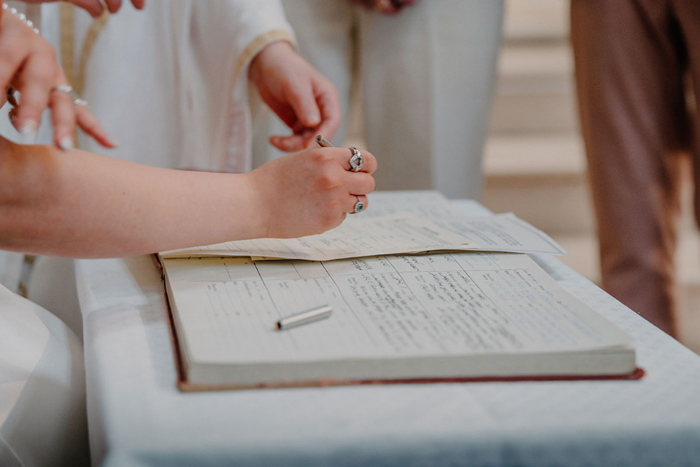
(305, 317)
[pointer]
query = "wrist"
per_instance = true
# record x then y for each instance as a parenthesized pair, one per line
(268, 57)
(251, 205)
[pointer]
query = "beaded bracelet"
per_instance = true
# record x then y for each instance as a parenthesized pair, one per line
(22, 17)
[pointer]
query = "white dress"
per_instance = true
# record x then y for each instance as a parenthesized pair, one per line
(42, 388)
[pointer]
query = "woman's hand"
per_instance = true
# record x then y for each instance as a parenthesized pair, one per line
(95, 7)
(301, 96)
(388, 7)
(28, 63)
(309, 192)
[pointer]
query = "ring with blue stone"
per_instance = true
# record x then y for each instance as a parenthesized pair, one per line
(359, 206)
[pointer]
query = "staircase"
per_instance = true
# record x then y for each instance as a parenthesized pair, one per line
(534, 158)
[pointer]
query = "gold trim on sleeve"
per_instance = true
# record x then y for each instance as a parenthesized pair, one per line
(257, 44)
(90, 38)
(65, 15)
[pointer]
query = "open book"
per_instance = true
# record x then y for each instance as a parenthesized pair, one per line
(434, 317)
(440, 316)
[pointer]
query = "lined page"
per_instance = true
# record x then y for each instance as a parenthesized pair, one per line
(393, 306)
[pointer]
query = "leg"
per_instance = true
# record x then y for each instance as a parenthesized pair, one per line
(428, 77)
(688, 15)
(629, 82)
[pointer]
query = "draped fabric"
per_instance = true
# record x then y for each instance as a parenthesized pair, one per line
(42, 388)
(170, 83)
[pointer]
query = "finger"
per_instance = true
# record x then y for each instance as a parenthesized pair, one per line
(308, 137)
(13, 52)
(359, 183)
(113, 5)
(285, 113)
(331, 113)
(39, 73)
(63, 118)
(93, 7)
(302, 100)
(369, 162)
(356, 204)
(303, 138)
(138, 4)
(290, 143)
(384, 6)
(91, 126)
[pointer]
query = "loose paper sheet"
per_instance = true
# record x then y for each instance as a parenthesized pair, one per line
(401, 233)
(391, 306)
(394, 234)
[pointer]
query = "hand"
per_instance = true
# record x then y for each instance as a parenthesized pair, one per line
(303, 98)
(388, 7)
(309, 192)
(28, 63)
(95, 7)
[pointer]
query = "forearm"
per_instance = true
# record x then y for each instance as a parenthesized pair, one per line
(83, 205)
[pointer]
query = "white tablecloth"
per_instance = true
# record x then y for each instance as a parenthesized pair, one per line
(138, 417)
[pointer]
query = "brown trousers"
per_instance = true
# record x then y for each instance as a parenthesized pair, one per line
(632, 58)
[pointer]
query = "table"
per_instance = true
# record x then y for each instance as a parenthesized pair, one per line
(137, 416)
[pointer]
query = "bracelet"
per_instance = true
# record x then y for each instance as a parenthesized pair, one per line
(22, 17)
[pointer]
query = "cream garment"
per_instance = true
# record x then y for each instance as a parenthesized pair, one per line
(427, 77)
(170, 83)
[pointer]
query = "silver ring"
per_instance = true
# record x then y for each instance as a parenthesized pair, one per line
(359, 206)
(67, 89)
(357, 160)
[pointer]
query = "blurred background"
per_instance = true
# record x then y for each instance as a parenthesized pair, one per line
(534, 160)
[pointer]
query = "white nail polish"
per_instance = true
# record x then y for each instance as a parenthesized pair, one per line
(28, 132)
(66, 143)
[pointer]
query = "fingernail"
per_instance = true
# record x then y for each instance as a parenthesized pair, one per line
(28, 131)
(313, 119)
(66, 143)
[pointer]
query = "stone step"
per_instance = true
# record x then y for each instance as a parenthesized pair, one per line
(536, 69)
(535, 90)
(536, 20)
(524, 113)
(541, 178)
